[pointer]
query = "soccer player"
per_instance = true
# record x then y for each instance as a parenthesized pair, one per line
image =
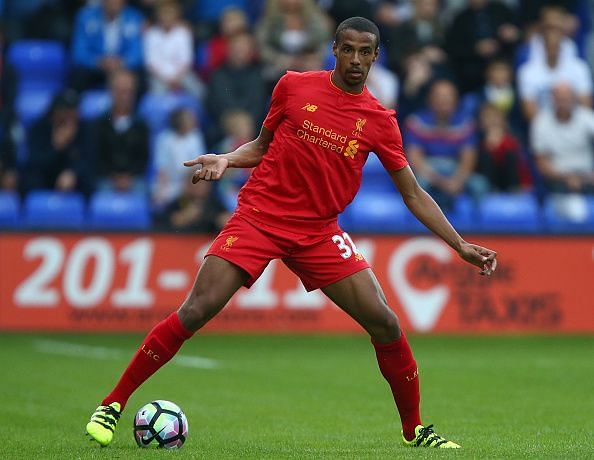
(308, 159)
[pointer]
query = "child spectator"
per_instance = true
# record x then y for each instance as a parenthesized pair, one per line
(500, 92)
(500, 155)
(169, 53)
(181, 141)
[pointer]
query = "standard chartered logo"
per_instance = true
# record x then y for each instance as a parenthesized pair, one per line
(352, 149)
(328, 139)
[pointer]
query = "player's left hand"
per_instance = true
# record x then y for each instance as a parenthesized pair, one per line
(212, 167)
(484, 258)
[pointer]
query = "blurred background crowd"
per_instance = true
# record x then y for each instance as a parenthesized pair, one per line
(102, 100)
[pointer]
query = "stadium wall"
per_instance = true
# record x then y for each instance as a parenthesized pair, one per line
(126, 282)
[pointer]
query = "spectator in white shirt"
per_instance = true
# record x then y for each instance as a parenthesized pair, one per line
(169, 53)
(562, 142)
(543, 70)
(174, 146)
(383, 84)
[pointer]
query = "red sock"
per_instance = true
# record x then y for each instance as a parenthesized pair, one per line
(399, 368)
(159, 346)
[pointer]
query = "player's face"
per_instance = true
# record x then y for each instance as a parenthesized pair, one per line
(355, 52)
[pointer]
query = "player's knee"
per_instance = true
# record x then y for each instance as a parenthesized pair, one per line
(198, 309)
(388, 329)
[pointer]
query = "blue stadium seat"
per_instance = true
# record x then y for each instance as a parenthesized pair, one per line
(155, 109)
(377, 212)
(212, 11)
(510, 213)
(50, 209)
(464, 215)
(375, 177)
(33, 104)
(119, 211)
(40, 65)
(557, 222)
(9, 209)
(94, 103)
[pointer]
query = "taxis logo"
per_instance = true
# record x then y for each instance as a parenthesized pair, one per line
(310, 107)
(359, 124)
(352, 149)
(229, 243)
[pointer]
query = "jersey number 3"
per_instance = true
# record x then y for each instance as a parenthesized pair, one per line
(346, 250)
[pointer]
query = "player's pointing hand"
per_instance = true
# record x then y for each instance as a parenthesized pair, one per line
(213, 167)
(484, 258)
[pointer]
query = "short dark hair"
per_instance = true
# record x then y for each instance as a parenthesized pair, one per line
(359, 24)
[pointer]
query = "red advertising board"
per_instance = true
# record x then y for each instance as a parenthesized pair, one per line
(127, 282)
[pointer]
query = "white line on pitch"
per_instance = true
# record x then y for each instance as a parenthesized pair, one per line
(55, 347)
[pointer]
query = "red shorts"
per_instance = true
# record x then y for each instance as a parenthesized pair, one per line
(319, 259)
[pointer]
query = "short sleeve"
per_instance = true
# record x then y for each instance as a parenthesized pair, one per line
(538, 135)
(583, 79)
(527, 87)
(278, 104)
(389, 147)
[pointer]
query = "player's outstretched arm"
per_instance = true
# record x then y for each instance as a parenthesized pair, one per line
(428, 212)
(247, 155)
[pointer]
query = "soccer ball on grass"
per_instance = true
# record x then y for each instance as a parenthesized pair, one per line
(160, 422)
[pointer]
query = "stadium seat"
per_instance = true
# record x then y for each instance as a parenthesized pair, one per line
(94, 103)
(557, 221)
(510, 213)
(40, 65)
(464, 214)
(9, 210)
(119, 211)
(156, 108)
(48, 209)
(377, 212)
(33, 104)
(212, 11)
(375, 177)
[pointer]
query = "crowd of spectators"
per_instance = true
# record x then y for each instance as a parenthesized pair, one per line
(491, 95)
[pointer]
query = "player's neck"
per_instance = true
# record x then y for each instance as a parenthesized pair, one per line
(344, 86)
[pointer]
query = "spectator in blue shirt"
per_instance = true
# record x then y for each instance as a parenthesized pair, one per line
(107, 37)
(442, 147)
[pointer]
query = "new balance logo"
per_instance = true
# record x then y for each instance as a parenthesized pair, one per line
(310, 107)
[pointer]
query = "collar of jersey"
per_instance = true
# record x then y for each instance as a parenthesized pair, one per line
(341, 90)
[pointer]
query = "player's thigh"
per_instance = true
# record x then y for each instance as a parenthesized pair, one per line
(362, 298)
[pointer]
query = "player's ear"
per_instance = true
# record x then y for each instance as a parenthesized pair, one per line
(376, 54)
(334, 49)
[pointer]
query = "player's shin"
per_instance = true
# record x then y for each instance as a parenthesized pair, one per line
(159, 346)
(399, 368)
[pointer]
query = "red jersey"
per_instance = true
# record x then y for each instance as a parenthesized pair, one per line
(322, 138)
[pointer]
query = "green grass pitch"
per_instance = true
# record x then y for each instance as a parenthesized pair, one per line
(303, 397)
